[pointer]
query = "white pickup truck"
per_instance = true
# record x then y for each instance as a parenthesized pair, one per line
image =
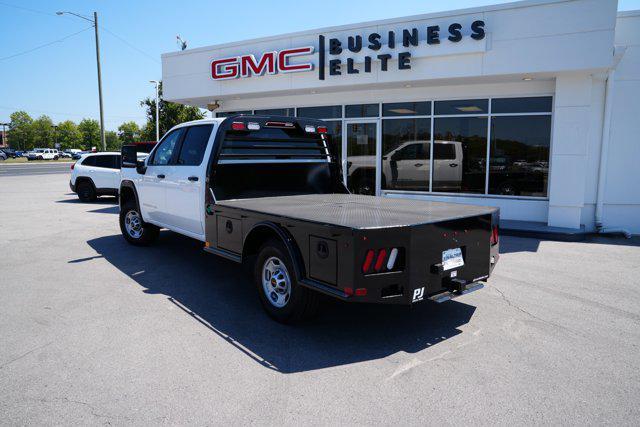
(268, 190)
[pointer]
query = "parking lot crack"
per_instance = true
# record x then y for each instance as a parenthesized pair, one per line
(528, 313)
(24, 355)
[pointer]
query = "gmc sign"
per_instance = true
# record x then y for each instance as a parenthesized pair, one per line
(269, 63)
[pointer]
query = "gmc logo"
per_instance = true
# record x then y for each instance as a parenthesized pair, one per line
(269, 63)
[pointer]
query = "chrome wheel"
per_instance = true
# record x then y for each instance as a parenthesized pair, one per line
(133, 224)
(276, 282)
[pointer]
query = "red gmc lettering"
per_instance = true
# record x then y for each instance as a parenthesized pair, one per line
(223, 69)
(269, 63)
(248, 65)
(284, 55)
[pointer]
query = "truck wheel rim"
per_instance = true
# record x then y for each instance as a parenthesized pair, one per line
(276, 282)
(133, 224)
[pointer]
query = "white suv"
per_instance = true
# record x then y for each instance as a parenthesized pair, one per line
(43, 154)
(96, 174)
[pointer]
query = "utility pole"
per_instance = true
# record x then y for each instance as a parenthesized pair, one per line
(94, 21)
(102, 139)
(157, 110)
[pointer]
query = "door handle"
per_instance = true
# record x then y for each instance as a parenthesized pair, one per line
(453, 165)
(418, 165)
(193, 178)
(161, 176)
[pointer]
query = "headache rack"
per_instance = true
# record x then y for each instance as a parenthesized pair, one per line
(251, 140)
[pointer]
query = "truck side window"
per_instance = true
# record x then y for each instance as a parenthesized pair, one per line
(164, 153)
(194, 145)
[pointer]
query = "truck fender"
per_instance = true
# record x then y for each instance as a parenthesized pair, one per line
(262, 231)
(125, 187)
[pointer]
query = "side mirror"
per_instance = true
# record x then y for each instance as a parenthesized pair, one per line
(129, 156)
(141, 166)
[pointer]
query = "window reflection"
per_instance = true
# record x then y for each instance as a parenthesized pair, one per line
(519, 159)
(463, 142)
(361, 158)
(405, 154)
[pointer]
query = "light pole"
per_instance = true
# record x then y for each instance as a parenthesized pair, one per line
(94, 21)
(4, 133)
(157, 110)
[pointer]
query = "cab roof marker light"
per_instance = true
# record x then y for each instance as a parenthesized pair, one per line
(238, 126)
(253, 126)
(279, 124)
(322, 129)
(392, 258)
(310, 129)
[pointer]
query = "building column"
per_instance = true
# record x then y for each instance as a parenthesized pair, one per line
(570, 140)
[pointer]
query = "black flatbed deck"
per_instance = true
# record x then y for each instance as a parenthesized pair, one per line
(357, 211)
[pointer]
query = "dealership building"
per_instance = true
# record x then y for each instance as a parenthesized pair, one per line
(531, 106)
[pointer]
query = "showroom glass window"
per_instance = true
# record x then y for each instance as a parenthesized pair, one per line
(406, 146)
(520, 144)
(461, 142)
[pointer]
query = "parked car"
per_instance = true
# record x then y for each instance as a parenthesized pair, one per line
(63, 154)
(43, 154)
(3, 156)
(19, 153)
(96, 174)
(9, 152)
(268, 189)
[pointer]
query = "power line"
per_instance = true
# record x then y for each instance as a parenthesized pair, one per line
(123, 40)
(43, 45)
(41, 12)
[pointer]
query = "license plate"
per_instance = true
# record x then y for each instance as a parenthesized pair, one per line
(452, 258)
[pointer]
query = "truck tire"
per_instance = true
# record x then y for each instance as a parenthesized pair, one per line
(134, 229)
(282, 297)
(85, 192)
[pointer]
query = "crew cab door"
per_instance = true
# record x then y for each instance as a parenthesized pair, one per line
(152, 192)
(185, 181)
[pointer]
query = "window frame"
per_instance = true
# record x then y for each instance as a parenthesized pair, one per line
(172, 161)
(182, 139)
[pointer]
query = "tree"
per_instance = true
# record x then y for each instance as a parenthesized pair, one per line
(90, 131)
(20, 135)
(171, 114)
(68, 135)
(129, 132)
(43, 131)
(112, 141)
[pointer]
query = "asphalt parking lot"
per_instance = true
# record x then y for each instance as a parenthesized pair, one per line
(94, 331)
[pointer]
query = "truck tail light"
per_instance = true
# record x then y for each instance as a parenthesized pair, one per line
(368, 260)
(494, 235)
(386, 260)
(238, 126)
(382, 257)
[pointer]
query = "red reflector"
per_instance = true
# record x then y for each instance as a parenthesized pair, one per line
(382, 256)
(368, 261)
(494, 236)
(361, 292)
(238, 126)
(321, 129)
(348, 291)
(73, 165)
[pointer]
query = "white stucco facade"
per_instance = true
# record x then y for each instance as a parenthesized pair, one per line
(582, 53)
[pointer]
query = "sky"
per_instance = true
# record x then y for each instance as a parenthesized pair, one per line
(60, 79)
